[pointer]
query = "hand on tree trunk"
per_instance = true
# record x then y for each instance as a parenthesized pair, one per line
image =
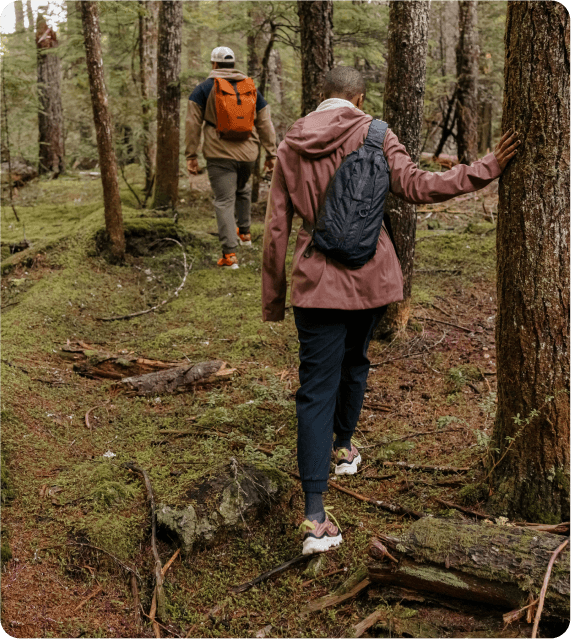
(507, 148)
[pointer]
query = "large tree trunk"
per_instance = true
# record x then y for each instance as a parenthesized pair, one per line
(531, 477)
(103, 128)
(499, 565)
(467, 54)
(19, 11)
(403, 110)
(168, 105)
(50, 112)
(148, 19)
(316, 31)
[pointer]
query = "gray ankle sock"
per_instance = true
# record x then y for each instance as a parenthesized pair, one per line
(314, 510)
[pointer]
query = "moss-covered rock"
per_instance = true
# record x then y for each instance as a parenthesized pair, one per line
(234, 495)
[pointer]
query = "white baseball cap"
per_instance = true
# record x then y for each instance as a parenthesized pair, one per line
(222, 54)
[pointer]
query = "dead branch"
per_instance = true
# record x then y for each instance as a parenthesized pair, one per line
(557, 529)
(165, 301)
(133, 571)
(544, 587)
(515, 615)
(136, 601)
(95, 592)
(87, 422)
(394, 359)
(178, 379)
(467, 511)
(369, 621)
(159, 594)
(430, 319)
(426, 432)
(333, 600)
(270, 573)
(169, 562)
(378, 550)
(428, 469)
(327, 574)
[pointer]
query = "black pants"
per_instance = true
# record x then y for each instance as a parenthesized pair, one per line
(333, 376)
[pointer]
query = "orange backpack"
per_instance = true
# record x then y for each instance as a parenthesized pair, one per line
(235, 108)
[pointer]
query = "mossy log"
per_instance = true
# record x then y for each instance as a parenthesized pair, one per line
(500, 565)
(171, 380)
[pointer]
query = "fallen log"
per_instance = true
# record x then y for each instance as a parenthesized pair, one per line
(499, 565)
(178, 379)
(98, 364)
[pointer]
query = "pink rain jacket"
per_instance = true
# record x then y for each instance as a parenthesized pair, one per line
(312, 150)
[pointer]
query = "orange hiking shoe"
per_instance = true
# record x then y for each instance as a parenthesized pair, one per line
(245, 239)
(228, 260)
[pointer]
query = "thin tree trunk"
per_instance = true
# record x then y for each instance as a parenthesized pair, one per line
(19, 11)
(403, 110)
(148, 34)
(168, 105)
(257, 172)
(467, 54)
(485, 115)
(30, 15)
(193, 36)
(50, 112)
(316, 31)
(531, 475)
(103, 128)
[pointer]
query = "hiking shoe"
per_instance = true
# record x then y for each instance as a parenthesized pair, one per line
(228, 260)
(245, 239)
(346, 461)
(319, 537)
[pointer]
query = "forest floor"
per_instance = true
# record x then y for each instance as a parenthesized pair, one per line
(431, 400)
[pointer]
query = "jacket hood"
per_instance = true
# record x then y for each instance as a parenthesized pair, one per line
(320, 133)
(227, 74)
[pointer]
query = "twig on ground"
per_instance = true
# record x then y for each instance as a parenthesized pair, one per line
(87, 423)
(378, 550)
(157, 625)
(467, 511)
(333, 600)
(327, 574)
(557, 529)
(121, 168)
(430, 319)
(442, 310)
(514, 615)
(428, 469)
(378, 477)
(270, 573)
(136, 601)
(187, 268)
(544, 587)
(369, 621)
(133, 571)
(159, 592)
(95, 592)
(394, 359)
(426, 432)
(169, 562)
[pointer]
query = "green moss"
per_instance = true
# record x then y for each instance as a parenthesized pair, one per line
(461, 375)
(472, 494)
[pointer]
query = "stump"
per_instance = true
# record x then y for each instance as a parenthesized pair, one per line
(499, 565)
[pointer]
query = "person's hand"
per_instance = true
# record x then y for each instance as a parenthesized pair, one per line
(507, 148)
(192, 166)
(269, 165)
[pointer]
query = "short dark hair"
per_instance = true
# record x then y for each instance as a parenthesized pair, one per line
(345, 81)
(226, 65)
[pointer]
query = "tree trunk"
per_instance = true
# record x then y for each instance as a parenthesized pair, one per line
(531, 480)
(103, 128)
(495, 564)
(403, 110)
(30, 15)
(467, 54)
(168, 105)
(148, 19)
(19, 11)
(316, 31)
(485, 115)
(50, 112)
(193, 36)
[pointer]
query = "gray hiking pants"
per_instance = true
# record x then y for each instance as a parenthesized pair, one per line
(232, 193)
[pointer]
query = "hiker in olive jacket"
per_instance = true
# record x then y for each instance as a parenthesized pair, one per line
(229, 162)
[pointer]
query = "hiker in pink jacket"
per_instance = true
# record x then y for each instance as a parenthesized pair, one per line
(336, 309)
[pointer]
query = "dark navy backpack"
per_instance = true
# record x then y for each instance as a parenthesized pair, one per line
(349, 221)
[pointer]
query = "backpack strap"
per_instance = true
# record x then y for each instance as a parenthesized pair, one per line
(376, 135)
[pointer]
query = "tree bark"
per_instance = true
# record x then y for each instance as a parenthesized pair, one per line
(19, 11)
(30, 15)
(172, 380)
(148, 34)
(404, 110)
(531, 480)
(168, 105)
(467, 54)
(316, 32)
(103, 128)
(50, 112)
(489, 563)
